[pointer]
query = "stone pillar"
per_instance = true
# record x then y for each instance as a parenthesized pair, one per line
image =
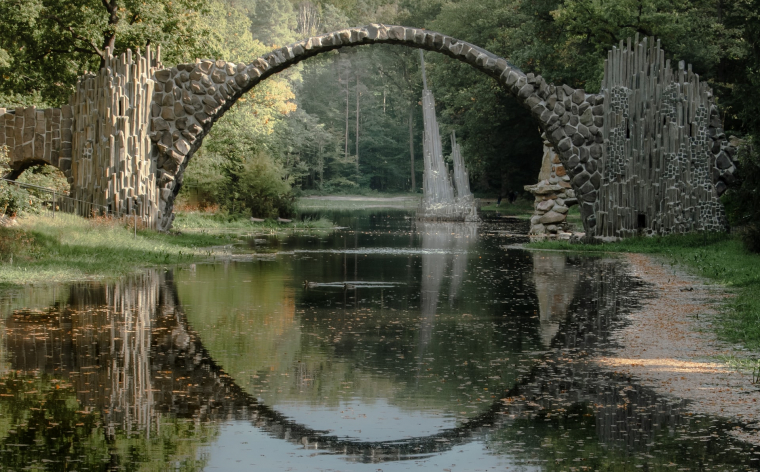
(553, 197)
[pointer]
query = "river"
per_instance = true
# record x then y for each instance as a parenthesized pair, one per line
(388, 344)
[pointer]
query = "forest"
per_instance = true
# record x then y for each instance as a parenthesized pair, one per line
(350, 121)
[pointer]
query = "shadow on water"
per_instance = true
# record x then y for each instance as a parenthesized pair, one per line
(480, 345)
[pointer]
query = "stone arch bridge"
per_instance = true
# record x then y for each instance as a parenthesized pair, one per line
(646, 154)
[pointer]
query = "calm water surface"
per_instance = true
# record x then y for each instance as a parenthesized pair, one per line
(386, 345)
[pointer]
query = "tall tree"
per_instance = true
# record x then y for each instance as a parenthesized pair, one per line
(47, 44)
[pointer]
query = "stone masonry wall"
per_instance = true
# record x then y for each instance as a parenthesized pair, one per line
(34, 136)
(553, 198)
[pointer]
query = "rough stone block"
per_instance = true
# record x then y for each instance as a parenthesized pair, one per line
(205, 66)
(197, 88)
(589, 197)
(581, 179)
(546, 205)
(564, 145)
(578, 96)
(578, 139)
(591, 166)
(596, 178)
(587, 118)
(179, 109)
(723, 161)
(182, 146)
(241, 79)
(573, 161)
(218, 76)
(586, 187)
(163, 75)
(167, 113)
(596, 151)
(552, 218)
(202, 117)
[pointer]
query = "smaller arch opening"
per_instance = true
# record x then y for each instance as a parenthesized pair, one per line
(34, 188)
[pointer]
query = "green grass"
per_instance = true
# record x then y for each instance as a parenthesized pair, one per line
(524, 209)
(195, 221)
(743, 364)
(717, 257)
(521, 208)
(41, 249)
(358, 192)
(409, 201)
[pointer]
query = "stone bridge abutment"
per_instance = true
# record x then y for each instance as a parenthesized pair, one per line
(646, 154)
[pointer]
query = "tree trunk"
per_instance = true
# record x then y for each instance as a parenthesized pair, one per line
(346, 150)
(504, 188)
(357, 123)
(411, 143)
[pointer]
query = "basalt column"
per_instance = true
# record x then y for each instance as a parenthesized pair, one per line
(665, 157)
(113, 161)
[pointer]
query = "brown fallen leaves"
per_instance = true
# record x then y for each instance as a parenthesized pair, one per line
(670, 347)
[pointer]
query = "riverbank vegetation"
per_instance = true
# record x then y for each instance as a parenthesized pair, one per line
(719, 258)
(194, 221)
(357, 202)
(42, 249)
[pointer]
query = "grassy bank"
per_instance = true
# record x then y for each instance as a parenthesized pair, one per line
(199, 221)
(41, 249)
(719, 258)
(357, 202)
(521, 208)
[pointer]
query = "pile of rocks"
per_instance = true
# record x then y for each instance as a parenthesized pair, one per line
(553, 198)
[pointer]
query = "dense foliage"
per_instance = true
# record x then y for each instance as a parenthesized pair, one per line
(350, 120)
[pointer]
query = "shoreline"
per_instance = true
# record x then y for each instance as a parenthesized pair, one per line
(670, 345)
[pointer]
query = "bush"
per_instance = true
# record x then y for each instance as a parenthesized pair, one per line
(743, 201)
(13, 200)
(263, 190)
(751, 237)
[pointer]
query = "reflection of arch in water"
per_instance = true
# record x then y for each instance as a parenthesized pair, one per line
(178, 375)
(555, 280)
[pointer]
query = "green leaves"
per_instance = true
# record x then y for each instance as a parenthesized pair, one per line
(48, 44)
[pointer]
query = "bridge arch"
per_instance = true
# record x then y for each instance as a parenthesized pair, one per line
(646, 155)
(189, 98)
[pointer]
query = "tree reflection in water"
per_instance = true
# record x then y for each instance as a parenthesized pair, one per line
(114, 374)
